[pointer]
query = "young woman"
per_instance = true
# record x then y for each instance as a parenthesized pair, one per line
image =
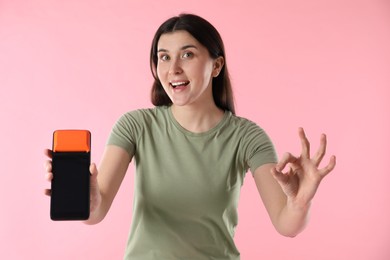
(192, 152)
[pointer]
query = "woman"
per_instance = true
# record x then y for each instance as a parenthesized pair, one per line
(192, 152)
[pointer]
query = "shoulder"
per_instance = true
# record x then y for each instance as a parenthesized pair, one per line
(144, 115)
(132, 124)
(248, 131)
(243, 124)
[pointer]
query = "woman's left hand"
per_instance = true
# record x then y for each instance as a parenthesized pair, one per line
(302, 176)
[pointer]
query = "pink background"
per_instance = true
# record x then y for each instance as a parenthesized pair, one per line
(322, 64)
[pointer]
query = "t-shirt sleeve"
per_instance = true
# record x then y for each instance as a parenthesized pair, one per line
(259, 147)
(124, 132)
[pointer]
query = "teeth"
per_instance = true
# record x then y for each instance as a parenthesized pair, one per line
(175, 84)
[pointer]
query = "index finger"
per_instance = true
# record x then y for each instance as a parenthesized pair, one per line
(48, 153)
(287, 158)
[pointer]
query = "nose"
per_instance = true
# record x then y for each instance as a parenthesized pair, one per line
(175, 67)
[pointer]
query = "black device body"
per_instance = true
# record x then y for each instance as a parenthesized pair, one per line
(70, 195)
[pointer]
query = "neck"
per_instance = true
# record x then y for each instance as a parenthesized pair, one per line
(197, 119)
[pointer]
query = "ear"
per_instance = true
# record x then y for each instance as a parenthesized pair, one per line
(218, 65)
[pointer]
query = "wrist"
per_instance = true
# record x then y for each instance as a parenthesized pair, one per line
(293, 218)
(298, 204)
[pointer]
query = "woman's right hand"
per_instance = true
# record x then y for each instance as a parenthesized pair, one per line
(48, 168)
(95, 196)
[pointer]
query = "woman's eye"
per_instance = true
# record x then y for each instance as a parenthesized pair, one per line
(187, 55)
(164, 57)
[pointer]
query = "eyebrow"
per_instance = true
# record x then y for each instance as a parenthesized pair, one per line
(182, 48)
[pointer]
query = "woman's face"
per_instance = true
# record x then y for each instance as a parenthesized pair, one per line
(185, 69)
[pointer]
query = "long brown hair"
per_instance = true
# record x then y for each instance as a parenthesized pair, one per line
(206, 34)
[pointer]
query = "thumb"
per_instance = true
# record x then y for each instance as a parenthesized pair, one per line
(93, 171)
(279, 175)
(93, 178)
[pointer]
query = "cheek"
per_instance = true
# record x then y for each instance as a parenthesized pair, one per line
(160, 72)
(162, 77)
(207, 71)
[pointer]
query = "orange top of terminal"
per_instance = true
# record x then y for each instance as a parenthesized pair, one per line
(72, 141)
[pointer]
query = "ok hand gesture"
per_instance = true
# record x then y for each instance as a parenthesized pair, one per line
(299, 177)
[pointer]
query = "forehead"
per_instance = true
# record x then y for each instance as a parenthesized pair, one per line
(176, 40)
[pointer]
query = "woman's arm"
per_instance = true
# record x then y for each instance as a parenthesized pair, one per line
(287, 195)
(105, 185)
(287, 219)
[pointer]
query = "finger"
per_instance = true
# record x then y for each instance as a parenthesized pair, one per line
(48, 153)
(47, 192)
(287, 158)
(49, 176)
(327, 169)
(305, 143)
(94, 187)
(48, 166)
(279, 176)
(321, 151)
(93, 170)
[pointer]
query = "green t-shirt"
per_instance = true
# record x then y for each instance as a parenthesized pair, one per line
(187, 184)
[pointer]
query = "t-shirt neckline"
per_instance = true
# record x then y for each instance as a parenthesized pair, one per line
(208, 132)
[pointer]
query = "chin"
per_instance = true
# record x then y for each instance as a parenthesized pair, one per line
(179, 104)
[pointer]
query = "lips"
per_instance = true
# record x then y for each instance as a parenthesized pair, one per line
(179, 84)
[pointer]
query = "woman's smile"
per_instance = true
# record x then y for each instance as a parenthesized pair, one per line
(179, 85)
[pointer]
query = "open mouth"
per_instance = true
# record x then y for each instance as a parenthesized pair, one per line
(179, 84)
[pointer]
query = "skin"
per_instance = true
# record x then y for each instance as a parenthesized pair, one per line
(286, 188)
(183, 58)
